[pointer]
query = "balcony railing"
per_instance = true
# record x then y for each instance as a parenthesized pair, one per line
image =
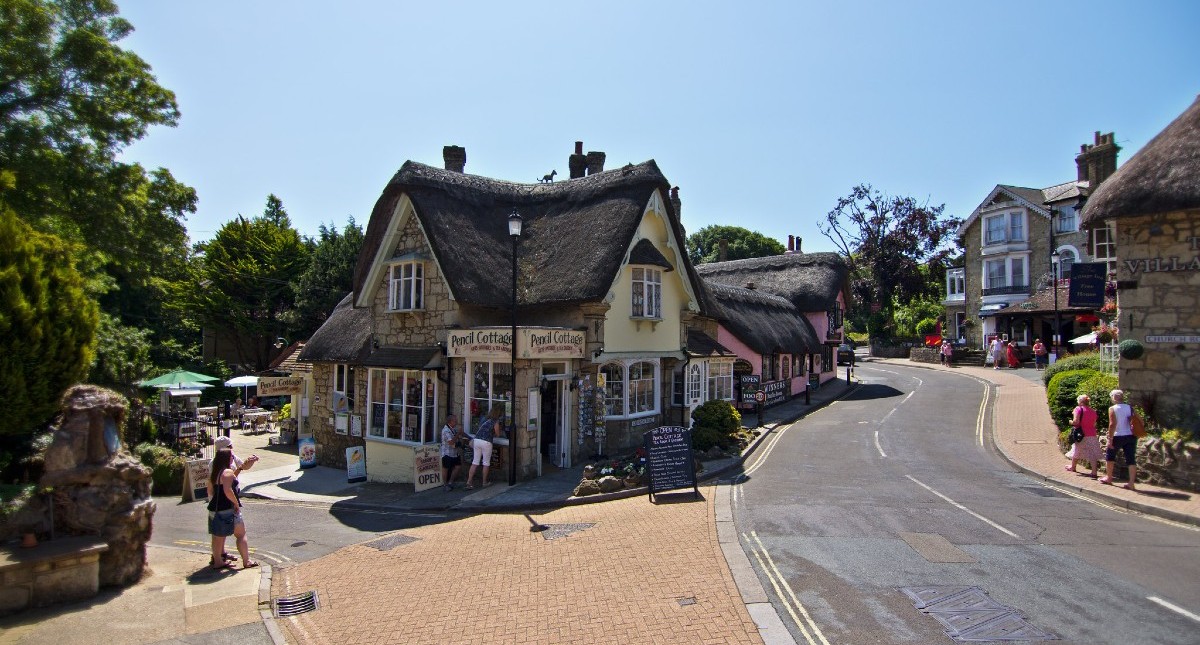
(1007, 290)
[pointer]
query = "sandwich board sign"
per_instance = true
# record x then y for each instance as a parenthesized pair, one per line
(669, 459)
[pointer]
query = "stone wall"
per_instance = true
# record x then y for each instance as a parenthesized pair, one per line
(1158, 294)
(1169, 464)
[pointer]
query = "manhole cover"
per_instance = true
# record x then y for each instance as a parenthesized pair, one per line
(969, 614)
(555, 531)
(390, 542)
(296, 604)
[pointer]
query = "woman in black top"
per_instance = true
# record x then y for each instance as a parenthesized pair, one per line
(225, 511)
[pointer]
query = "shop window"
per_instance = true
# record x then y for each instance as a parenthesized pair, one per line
(489, 385)
(630, 388)
(401, 405)
(343, 396)
(647, 293)
(720, 381)
(406, 286)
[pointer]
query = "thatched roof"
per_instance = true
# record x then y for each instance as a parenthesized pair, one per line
(343, 338)
(1163, 176)
(764, 322)
(576, 232)
(810, 281)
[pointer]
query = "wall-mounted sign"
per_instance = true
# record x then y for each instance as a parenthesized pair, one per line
(1173, 338)
(775, 391)
(533, 342)
(1156, 265)
(1087, 284)
(277, 385)
(485, 342)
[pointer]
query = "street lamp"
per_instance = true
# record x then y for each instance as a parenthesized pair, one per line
(514, 231)
(1055, 257)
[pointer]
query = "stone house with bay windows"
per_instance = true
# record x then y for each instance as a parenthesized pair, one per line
(1009, 241)
(608, 305)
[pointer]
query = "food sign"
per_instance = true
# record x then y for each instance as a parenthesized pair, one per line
(356, 464)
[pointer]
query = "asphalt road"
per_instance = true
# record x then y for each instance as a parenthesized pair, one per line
(895, 488)
(280, 533)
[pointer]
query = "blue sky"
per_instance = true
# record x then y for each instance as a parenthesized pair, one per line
(762, 113)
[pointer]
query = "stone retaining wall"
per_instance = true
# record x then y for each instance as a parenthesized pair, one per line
(1170, 464)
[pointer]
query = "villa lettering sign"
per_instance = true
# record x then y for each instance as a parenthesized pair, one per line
(549, 343)
(1158, 265)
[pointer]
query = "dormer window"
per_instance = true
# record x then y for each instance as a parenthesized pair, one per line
(406, 286)
(647, 293)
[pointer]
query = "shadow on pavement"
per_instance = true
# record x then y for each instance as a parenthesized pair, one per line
(870, 391)
(1162, 494)
(678, 497)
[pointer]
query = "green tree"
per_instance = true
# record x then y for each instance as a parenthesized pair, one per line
(70, 100)
(887, 240)
(704, 245)
(47, 324)
(240, 284)
(123, 356)
(328, 277)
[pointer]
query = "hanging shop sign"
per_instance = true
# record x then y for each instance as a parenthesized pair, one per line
(1087, 285)
(545, 343)
(277, 385)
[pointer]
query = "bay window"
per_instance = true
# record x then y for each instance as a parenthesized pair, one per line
(631, 388)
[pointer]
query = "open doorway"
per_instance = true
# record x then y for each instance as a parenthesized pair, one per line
(554, 438)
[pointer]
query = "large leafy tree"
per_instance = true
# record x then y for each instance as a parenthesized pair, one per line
(47, 324)
(240, 284)
(328, 278)
(705, 244)
(892, 244)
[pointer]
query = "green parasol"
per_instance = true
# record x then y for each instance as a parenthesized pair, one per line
(177, 378)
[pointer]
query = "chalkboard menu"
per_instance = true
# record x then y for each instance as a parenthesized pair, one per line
(669, 459)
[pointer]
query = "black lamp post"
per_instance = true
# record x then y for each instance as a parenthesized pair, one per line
(514, 231)
(1055, 258)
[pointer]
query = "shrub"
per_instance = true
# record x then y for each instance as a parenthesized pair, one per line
(166, 468)
(1131, 349)
(1062, 392)
(1081, 361)
(926, 326)
(1097, 388)
(715, 423)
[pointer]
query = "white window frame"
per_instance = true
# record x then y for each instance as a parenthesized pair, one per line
(1104, 245)
(990, 276)
(695, 379)
(1066, 220)
(473, 411)
(1013, 264)
(1067, 256)
(619, 394)
(1016, 227)
(956, 285)
(720, 381)
(646, 293)
(418, 390)
(409, 287)
(1013, 229)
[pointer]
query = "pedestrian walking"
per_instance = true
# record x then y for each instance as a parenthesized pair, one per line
(996, 352)
(481, 446)
(1088, 449)
(225, 511)
(225, 443)
(1120, 437)
(1014, 357)
(1039, 355)
(947, 352)
(451, 454)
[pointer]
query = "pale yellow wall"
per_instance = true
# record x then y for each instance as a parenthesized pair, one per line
(389, 463)
(621, 333)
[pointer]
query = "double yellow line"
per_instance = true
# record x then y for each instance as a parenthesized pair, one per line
(800, 616)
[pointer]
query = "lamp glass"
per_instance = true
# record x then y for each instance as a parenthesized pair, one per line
(514, 224)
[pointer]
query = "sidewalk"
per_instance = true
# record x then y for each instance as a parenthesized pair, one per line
(1027, 438)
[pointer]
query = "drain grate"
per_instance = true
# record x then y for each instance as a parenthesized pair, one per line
(969, 614)
(555, 531)
(294, 605)
(387, 543)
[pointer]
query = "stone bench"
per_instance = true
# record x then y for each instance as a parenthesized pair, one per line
(62, 570)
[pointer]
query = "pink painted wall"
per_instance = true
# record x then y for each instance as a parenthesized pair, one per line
(726, 338)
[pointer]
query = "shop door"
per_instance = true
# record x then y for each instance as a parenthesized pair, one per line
(556, 446)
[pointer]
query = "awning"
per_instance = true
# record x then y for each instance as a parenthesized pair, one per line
(409, 358)
(1086, 339)
(701, 345)
(991, 309)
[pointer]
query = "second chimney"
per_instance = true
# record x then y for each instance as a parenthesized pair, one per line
(577, 163)
(595, 162)
(676, 203)
(791, 244)
(455, 158)
(722, 250)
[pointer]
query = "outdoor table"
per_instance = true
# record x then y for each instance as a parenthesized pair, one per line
(255, 417)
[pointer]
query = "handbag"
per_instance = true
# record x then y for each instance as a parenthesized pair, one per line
(1139, 426)
(1076, 435)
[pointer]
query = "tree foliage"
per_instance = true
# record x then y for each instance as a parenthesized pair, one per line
(47, 324)
(704, 245)
(328, 277)
(240, 286)
(887, 240)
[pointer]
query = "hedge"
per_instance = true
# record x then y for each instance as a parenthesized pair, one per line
(1062, 392)
(715, 423)
(1097, 388)
(1081, 361)
(166, 468)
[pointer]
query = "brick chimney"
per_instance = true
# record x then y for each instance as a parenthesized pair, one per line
(722, 250)
(1098, 161)
(676, 203)
(455, 158)
(798, 241)
(791, 244)
(577, 163)
(595, 162)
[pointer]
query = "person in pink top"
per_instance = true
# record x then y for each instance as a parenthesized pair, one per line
(1089, 449)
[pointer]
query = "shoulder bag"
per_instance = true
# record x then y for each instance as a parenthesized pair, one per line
(1139, 426)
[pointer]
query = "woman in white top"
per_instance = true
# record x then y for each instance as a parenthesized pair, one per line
(1120, 437)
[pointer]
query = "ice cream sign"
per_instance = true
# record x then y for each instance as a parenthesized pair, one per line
(532, 343)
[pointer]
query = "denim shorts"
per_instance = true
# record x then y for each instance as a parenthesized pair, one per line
(221, 523)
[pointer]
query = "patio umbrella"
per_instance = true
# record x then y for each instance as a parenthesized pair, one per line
(176, 378)
(243, 382)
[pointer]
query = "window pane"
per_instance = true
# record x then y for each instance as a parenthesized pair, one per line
(641, 386)
(614, 389)
(395, 421)
(378, 402)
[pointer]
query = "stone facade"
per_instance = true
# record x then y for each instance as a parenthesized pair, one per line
(1158, 281)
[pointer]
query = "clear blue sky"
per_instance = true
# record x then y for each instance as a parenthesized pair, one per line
(762, 113)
